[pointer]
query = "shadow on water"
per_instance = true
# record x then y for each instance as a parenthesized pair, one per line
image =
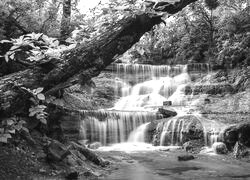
(175, 170)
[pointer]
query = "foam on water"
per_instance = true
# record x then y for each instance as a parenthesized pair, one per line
(127, 122)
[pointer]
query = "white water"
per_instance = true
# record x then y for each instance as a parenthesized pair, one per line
(144, 88)
(110, 127)
(153, 92)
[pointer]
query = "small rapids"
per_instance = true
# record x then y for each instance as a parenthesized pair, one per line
(145, 88)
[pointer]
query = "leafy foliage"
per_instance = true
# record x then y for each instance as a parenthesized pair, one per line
(10, 127)
(37, 109)
(197, 35)
(34, 47)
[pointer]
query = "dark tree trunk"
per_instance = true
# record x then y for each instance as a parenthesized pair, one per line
(83, 62)
(65, 23)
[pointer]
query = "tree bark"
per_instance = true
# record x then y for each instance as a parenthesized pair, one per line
(65, 23)
(84, 62)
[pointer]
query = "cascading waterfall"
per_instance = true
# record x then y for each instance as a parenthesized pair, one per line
(110, 127)
(143, 89)
(163, 82)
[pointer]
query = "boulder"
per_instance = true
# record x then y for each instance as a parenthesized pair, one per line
(185, 157)
(193, 146)
(57, 151)
(240, 133)
(94, 145)
(178, 130)
(166, 113)
(244, 134)
(72, 175)
(219, 148)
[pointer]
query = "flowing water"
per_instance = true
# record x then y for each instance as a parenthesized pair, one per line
(144, 89)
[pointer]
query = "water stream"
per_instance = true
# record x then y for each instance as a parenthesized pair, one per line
(144, 89)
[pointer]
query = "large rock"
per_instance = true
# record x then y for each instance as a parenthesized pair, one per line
(95, 145)
(178, 130)
(166, 113)
(57, 151)
(185, 157)
(219, 148)
(240, 133)
(193, 146)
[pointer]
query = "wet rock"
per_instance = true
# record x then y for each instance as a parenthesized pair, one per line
(240, 151)
(82, 142)
(219, 148)
(211, 89)
(240, 133)
(41, 156)
(193, 146)
(57, 151)
(90, 175)
(95, 145)
(207, 101)
(90, 155)
(166, 113)
(185, 157)
(150, 131)
(72, 175)
(167, 103)
(178, 130)
(244, 134)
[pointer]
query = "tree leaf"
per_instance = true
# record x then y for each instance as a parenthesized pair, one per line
(38, 90)
(44, 121)
(1, 130)
(25, 129)
(32, 113)
(10, 122)
(6, 57)
(41, 96)
(3, 139)
(7, 135)
(12, 56)
(13, 131)
(5, 41)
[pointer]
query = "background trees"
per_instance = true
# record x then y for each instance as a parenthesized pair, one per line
(202, 32)
(206, 31)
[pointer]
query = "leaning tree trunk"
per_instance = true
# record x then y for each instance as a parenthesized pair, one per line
(85, 61)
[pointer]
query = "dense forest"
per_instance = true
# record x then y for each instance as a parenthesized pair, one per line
(67, 67)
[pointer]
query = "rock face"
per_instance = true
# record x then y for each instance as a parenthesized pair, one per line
(240, 151)
(178, 130)
(238, 133)
(219, 148)
(100, 93)
(64, 124)
(211, 89)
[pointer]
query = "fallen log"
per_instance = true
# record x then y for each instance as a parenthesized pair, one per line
(81, 63)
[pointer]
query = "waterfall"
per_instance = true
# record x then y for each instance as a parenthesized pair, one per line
(110, 127)
(138, 135)
(142, 90)
(163, 82)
